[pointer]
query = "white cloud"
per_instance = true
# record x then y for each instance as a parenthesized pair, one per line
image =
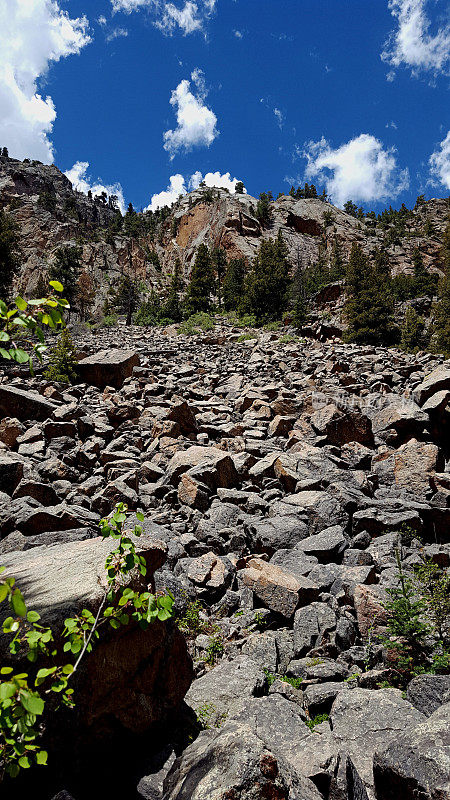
(116, 33)
(412, 44)
(83, 183)
(440, 163)
(279, 116)
(102, 19)
(238, 34)
(33, 35)
(189, 17)
(214, 179)
(178, 186)
(359, 170)
(196, 123)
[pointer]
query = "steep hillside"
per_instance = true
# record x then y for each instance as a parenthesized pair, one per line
(50, 213)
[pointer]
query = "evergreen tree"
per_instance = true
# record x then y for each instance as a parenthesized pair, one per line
(263, 213)
(172, 306)
(219, 263)
(66, 268)
(267, 282)
(412, 331)
(351, 208)
(233, 284)
(201, 283)
(425, 284)
(9, 254)
(337, 264)
(368, 308)
(441, 338)
(5, 153)
(239, 188)
(63, 360)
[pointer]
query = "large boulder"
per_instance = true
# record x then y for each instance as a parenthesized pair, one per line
(427, 693)
(133, 678)
(341, 427)
(107, 368)
(223, 690)
(24, 405)
(437, 381)
(218, 466)
(416, 764)
(364, 721)
(278, 590)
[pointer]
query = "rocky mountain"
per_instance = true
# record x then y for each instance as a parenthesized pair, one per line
(50, 214)
(283, 482)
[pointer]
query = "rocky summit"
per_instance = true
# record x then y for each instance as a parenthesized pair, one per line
(284, 484)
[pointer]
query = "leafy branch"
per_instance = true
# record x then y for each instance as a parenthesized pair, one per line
(23, 697)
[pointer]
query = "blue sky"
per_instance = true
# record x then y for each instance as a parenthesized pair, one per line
(141, 95)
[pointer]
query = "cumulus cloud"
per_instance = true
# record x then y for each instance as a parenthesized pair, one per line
(83, 183)
(412, 44)
(179, 186)
(279, 116)
(189, 16)
(33, 35)
(196, 123)
(440, 163)
(360, 170)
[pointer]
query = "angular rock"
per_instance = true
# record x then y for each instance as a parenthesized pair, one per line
(427, 693)
(438, 380)
(278, 590)
(107, 368)
(416, 764)
(24, 405)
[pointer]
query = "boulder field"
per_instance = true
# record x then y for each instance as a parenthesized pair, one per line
(279, 479)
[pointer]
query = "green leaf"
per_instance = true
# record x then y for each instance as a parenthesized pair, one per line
(33, 616)
(32, 703)
(140, 516)
(4, 589)
(21, 303)
(20, 356)
(24, 762)
(41, 757)
(5, 353)
(18, 603)
(6, 670)
(4, 337)
(57, 286)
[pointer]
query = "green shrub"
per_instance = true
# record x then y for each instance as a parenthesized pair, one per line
(191, 623)
(63, 360)
(245, 337)
(108, 321)
(311, 723)
(196, 323)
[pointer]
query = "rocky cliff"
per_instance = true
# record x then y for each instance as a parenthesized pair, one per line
(50, 213)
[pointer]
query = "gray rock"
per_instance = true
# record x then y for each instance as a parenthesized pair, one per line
(326, 546)
(24, 405)
(107, 367)
(428, 692)
(311, 624)
(416, 764)
(226, 687)
(364, 721)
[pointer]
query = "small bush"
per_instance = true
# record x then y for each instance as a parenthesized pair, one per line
(196, 323)
(109, 321)
(63, 360)
(245, 337)
(287, 338)
(311, 723)
(191, 622)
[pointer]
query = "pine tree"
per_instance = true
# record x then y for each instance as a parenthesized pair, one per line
(63, 360)
(233, 284)
(126, 297)
(368, 309)
(172, 306)
(425, 284)
(263, 212)
(412, 331)
(219, 264)
(9, 254)
(441, 337)
(239, 188)
(267, 282)
(201, 283)
(66, 268)
(337, 264)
